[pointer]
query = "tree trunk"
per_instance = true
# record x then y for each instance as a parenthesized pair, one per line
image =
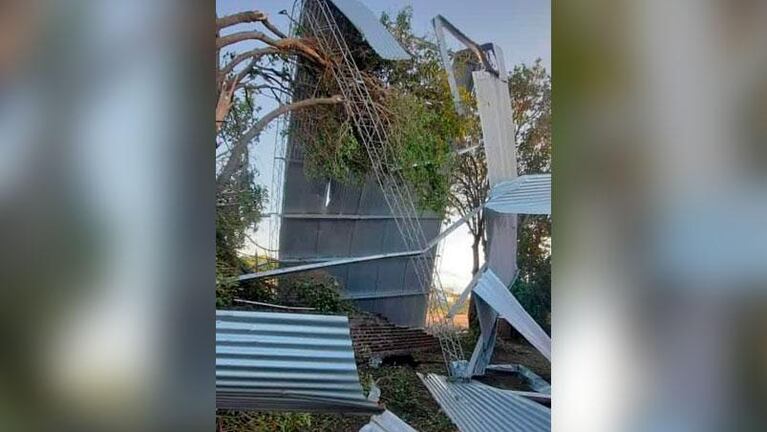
(475, 254)
(473, 322)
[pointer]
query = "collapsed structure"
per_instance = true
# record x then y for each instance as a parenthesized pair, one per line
(349, 231)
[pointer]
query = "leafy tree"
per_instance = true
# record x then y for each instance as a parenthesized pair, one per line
(530, 88)
(411, 96)
(246, 78)
(414, 99)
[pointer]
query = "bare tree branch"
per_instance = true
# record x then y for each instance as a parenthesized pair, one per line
(248, 17)
(300, 46)
(254, 54)
(239, 18)
(234, 161)
(225, 100)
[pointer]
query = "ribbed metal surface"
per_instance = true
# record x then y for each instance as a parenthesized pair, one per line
(476, 407)
(286, 362)
(387, 422)
(322, 235)
(331, 220)
(335, 225)
(490, 289)
(374, 33)
(528, 194)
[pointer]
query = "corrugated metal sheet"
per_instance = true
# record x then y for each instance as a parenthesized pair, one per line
(371, 29)
(528, 194)
(498, 296)
(387, 422)
(286, 362)
(476, 407)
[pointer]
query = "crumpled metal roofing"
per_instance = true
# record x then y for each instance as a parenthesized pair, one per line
(387, 422)
(287, 362)
(476, 407)
(371, 29)
(498, 296)
(527, 194)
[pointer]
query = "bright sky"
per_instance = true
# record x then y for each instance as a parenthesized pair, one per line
(522, 28)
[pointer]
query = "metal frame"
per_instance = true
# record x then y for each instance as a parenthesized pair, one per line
(373, 131)
(441, 24)
(480, 51)
(347, 216)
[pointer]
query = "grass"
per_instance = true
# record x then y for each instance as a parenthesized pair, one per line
(241, 421)
(403, 394)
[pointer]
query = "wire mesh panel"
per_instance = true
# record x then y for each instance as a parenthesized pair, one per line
(325, 219)
(320, 21)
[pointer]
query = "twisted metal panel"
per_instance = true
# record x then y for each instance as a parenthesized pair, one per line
(496, 294)
(476, 407)
(527, 194)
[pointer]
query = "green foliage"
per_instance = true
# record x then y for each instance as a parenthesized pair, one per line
(317, 290)
(333, 151)
(530, 88)
(225, 284)
(287, 422)
(425, 124)
(238, 209)
(403, 393)
(421, 145)
(414, 98)
(239, 204)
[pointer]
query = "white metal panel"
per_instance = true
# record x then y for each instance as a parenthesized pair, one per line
(387, 422)
(483, 350)
(494, 105)
(498, 296)
(527, 194)
(371, 29)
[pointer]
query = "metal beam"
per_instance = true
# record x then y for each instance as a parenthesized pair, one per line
(271, 305)
(381, 295)
(465, 294)
(440, 22)
(325, 264)
(346, 216)
(314, 266)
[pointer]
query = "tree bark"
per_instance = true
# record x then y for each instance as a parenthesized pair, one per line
(233, 163)
(475, 254)
(248, 17)
(239, 18)
(300, 46)
(473, 323)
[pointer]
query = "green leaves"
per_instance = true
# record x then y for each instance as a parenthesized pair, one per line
(316, 290)
(420, 143)
(414, 97)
